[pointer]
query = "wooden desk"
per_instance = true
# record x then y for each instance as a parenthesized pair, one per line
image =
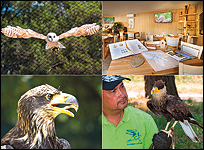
(104, 45)
(122, 67)
(159, 37)
(164, 38)
(193, 62)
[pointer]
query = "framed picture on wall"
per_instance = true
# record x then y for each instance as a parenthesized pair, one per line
(131, 23)
(108, 20)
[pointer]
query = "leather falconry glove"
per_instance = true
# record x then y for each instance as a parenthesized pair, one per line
(162, 140)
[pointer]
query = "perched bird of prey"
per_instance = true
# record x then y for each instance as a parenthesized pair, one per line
(172, 107)
(51, 38)
(35, 128)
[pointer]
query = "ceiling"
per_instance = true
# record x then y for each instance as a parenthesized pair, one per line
(111, 8)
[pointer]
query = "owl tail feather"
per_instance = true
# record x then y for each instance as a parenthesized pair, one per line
(58, 45)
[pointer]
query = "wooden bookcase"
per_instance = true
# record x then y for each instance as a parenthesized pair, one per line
(188, 24)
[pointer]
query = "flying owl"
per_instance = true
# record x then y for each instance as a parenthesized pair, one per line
(51, 38)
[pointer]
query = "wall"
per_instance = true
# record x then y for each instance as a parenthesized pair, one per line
(199, 9)
(144, 22)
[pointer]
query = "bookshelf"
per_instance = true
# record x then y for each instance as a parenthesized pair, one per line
(188, 24)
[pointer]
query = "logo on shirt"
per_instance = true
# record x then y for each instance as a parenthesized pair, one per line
(135, 137)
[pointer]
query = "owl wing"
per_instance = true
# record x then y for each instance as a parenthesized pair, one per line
(87, 29)
(21, 33)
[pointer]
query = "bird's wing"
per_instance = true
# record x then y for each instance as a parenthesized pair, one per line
(87, 29)
(21, 33)
(150, 106)
(7, 147)
(175, 106)
(64, 144)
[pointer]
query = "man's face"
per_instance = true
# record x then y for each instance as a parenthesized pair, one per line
(116, 99)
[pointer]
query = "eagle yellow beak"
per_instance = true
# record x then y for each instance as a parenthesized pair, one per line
(64, 98)
(154, 90)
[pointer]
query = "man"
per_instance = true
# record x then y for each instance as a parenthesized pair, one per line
(125, 127)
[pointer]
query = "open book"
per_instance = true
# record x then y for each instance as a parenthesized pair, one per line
(180, 56)
(126, 48)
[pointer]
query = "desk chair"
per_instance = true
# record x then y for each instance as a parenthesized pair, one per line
(189, 39)
(192, 39)
(190, 70)
(149, 37)
(130, 35)
(181, 36)
(143, 36)
(172, 42)
(137, 35)
(122, 37)
(106, 46)
(192, 49)
(116, 38)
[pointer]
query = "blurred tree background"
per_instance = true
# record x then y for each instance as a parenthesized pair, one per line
(82, 131)
(29, 56)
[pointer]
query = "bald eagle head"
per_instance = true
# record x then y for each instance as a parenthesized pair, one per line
(37, 109)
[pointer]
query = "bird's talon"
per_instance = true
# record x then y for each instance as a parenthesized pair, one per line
(167, 132)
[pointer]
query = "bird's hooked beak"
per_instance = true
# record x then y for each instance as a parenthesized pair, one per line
(154, 90)
(64, 98)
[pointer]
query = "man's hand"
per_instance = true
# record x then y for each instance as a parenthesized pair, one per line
(162, 140)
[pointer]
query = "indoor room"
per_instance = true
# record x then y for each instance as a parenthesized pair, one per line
(152, 37)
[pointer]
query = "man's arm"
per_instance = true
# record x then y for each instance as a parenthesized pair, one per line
(150, 130)
(160, 139)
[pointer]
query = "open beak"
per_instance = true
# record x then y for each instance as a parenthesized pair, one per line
(68, 100)
(154, 90)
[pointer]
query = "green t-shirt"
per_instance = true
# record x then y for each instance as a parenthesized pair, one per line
(135, 130)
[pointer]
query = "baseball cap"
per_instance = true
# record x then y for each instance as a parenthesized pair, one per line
(111, 81)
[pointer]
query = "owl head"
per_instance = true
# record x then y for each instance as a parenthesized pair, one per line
(52, 37)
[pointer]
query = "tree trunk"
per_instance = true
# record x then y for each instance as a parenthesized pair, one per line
(169, 82)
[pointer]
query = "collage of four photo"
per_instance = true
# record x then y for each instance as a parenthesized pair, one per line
(102, 74)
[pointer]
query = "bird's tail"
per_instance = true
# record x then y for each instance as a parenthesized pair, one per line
(189, 131)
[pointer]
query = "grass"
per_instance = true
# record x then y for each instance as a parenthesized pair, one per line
(189, 83)
(184, 84)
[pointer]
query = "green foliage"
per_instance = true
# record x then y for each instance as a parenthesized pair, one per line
(84, 130)
(117, 26)
(82, 55)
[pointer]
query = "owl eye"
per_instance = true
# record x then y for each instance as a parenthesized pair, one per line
(49, 96)
(49, 36)
(54, 36)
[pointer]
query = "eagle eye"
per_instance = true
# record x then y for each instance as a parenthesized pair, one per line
(49, 96)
